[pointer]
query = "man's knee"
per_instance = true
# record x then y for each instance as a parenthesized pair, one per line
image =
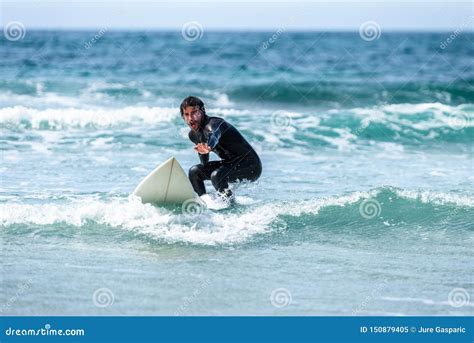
(218, 177)
(215, 175)
(195, 171)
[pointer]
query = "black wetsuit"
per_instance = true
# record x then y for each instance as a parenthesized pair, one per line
(239, 159)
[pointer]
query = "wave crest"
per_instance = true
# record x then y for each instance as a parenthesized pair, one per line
(244, 224)
(19, 117)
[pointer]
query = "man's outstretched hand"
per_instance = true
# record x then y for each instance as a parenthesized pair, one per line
(202, 148)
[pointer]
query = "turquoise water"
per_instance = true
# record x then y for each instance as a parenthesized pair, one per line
(364, 207)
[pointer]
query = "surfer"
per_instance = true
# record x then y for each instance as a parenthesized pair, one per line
(239, 161)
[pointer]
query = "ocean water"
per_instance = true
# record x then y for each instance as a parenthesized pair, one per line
(365, 205)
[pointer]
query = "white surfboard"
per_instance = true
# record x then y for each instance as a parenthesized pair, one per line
(166, 184)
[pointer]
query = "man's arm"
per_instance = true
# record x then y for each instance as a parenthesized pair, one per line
(204, 158)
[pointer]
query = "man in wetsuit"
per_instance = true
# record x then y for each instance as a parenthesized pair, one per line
(239, 160)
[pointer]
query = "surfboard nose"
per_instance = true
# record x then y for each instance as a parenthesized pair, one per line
(166, 184)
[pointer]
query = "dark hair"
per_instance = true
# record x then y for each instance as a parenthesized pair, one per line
(192, 101)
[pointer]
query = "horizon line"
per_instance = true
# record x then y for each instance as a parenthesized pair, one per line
(250, 30)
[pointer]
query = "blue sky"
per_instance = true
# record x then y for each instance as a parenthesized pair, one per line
(243, 15)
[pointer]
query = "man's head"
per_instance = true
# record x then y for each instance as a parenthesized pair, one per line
(193, 112)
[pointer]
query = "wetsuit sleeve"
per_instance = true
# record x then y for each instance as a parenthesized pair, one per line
(203, 158)
(216, 131)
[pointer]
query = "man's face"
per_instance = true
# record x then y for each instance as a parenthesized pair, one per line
(192, 116)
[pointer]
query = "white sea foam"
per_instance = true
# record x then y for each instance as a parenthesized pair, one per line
(437, 197)
(77, 117)
(41, 100)
(437, 115)
(342, 128)
(424, 301)
(207, 228)
(20, 116)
